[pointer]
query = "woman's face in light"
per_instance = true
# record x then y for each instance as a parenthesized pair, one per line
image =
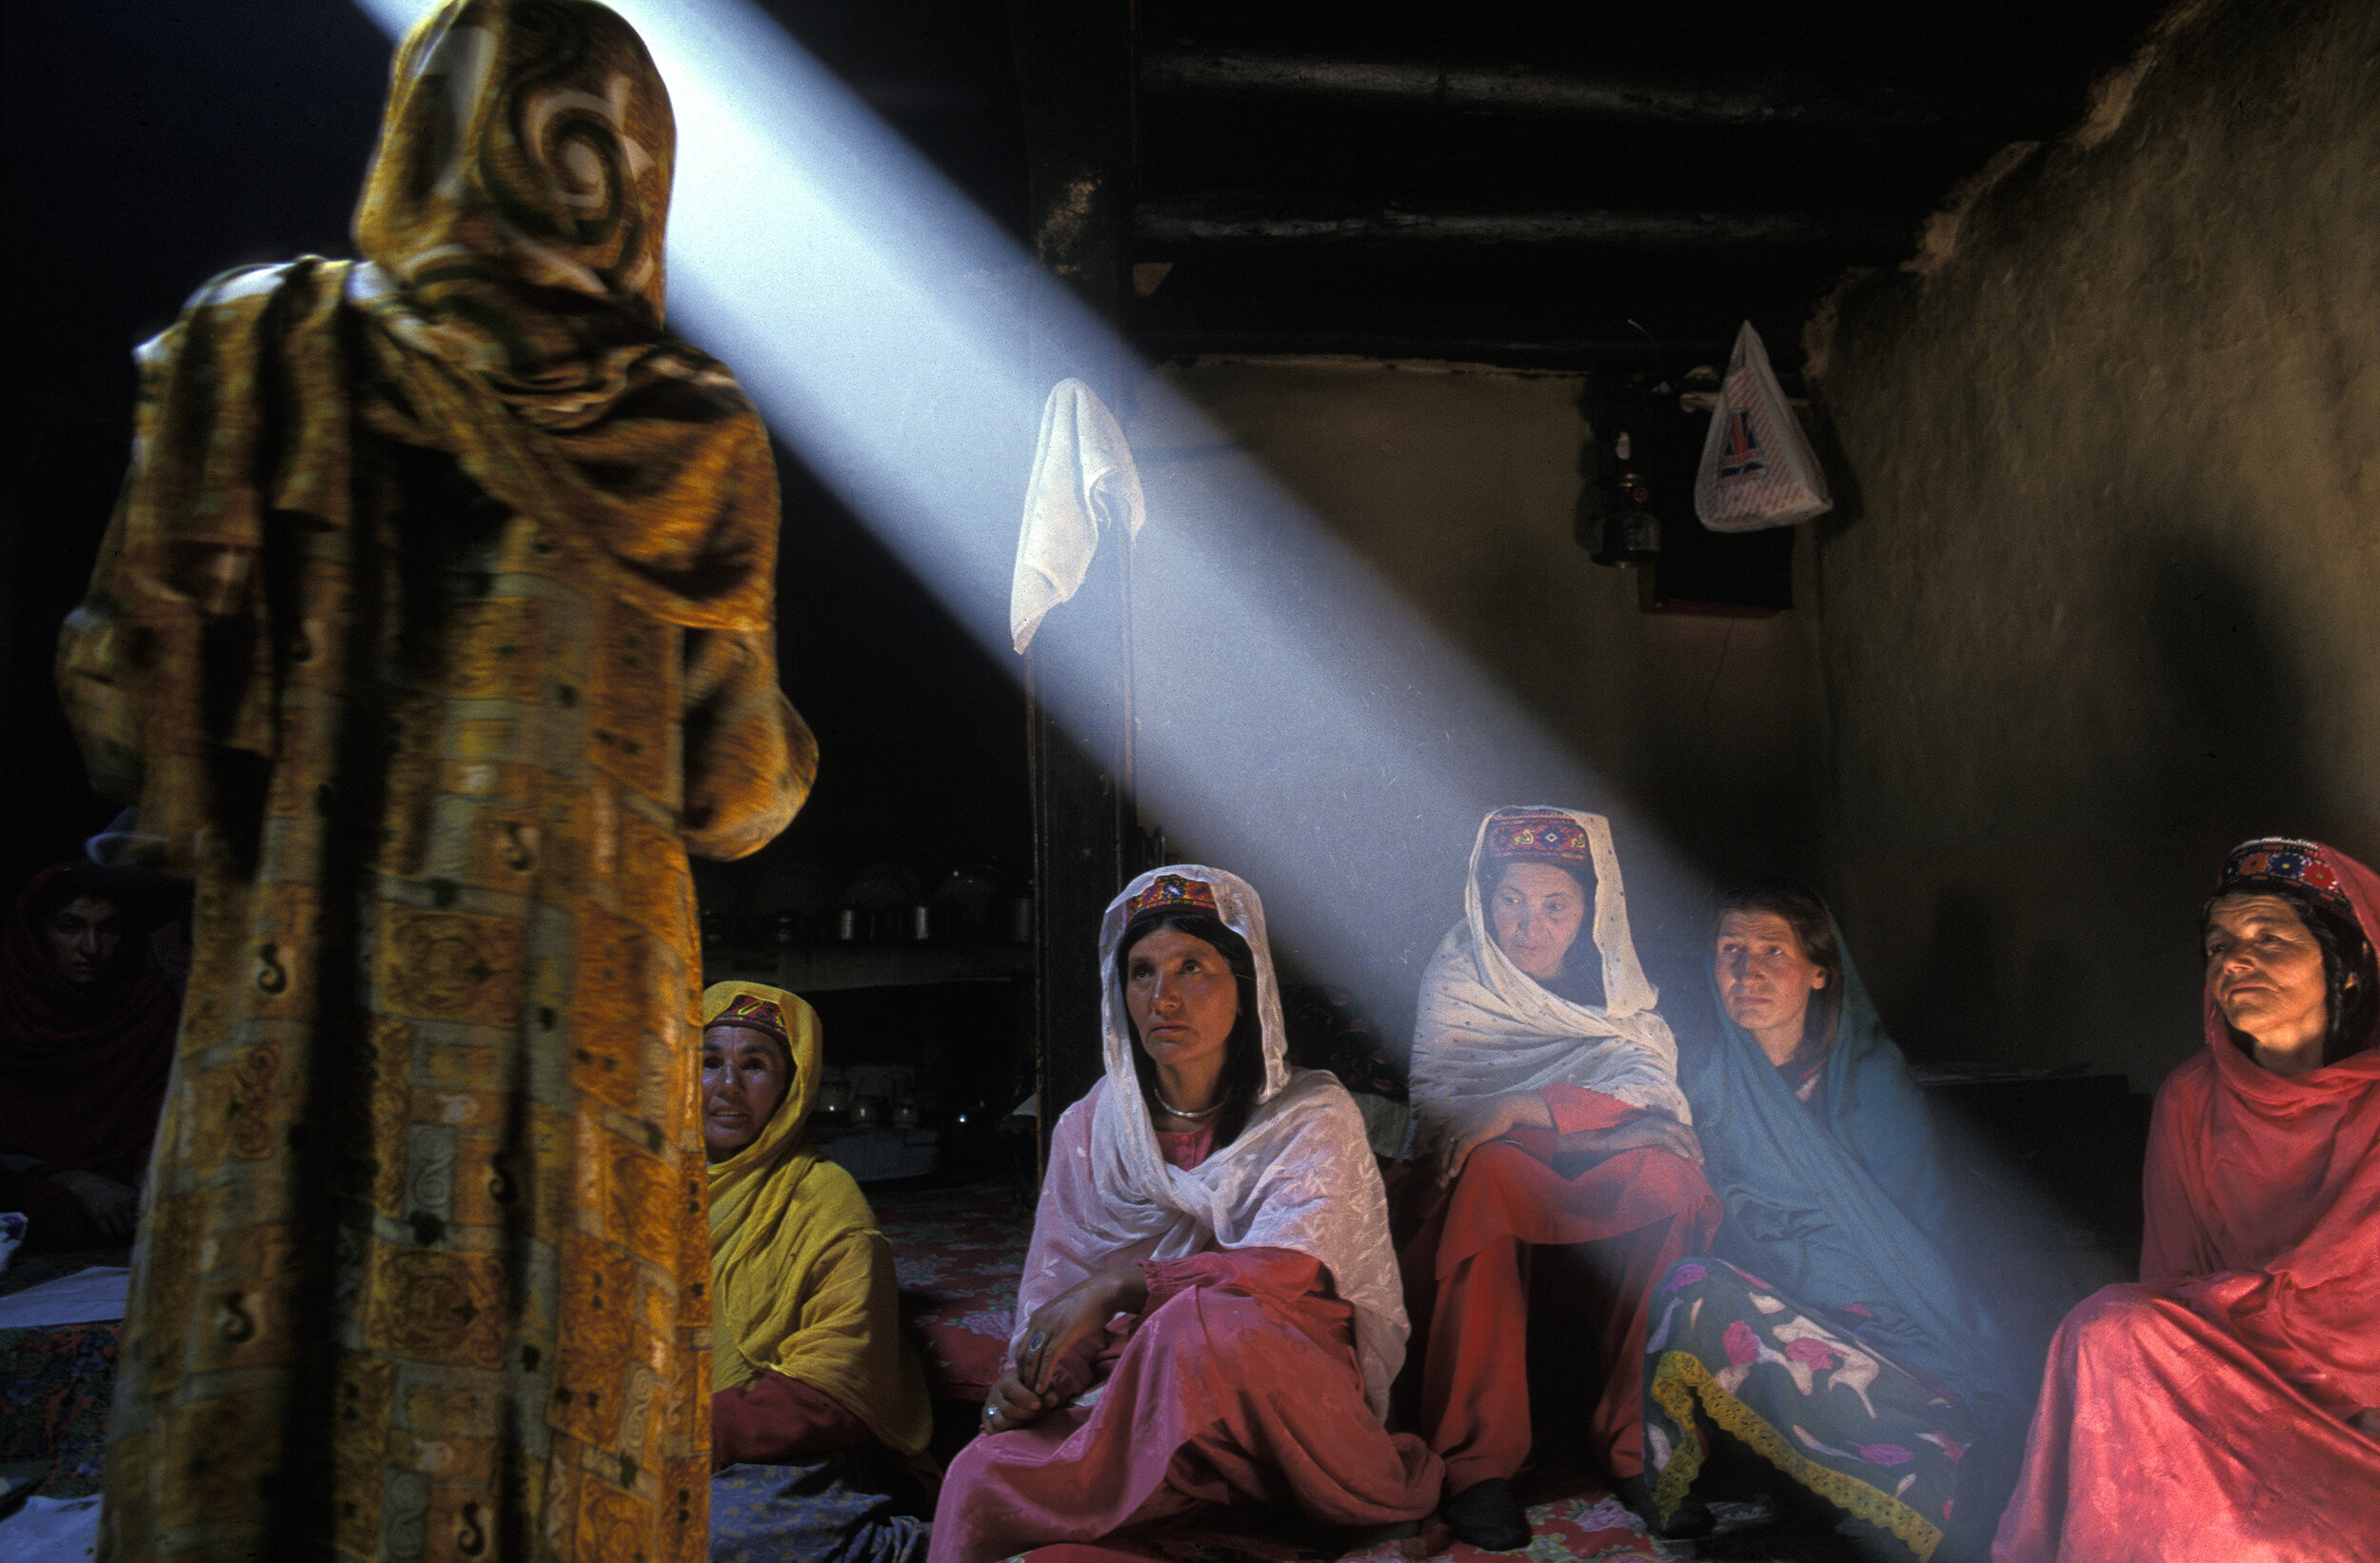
(1765, 977)
(1534, 914)
(745, 1076)
(2264, 970)
(1182, 997)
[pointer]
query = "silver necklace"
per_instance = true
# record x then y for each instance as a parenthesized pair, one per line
(1203, 1112)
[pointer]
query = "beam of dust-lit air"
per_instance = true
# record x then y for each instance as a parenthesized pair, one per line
(1300, 724)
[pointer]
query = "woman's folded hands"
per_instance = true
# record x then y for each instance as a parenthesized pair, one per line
(1044, 1371)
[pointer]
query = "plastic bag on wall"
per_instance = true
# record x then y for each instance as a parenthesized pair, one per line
(1757, 468)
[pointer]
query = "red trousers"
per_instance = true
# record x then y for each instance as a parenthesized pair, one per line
(1467, 1275)
(776, 1420)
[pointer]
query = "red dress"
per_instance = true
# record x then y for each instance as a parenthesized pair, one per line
(2200, 1415)
(1466, 1274)
(1238, 1381)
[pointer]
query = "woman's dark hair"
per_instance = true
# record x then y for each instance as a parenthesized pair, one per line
(2351, 1009)
(1813, 930)
(1243, 1053)
(120, 888)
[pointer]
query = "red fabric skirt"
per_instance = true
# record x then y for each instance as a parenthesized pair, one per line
(1219, 1397)
(2162, 1438)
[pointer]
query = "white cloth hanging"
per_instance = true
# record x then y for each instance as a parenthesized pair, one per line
(1083, 480)
(1300, 1176)
(1485, 1027)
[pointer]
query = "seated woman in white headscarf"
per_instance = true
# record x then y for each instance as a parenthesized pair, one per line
(1210, 1261)
(819, 1416)
(1545, 1097)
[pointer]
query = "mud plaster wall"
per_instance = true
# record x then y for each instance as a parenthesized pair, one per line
(1459, 487)
(2106, 596)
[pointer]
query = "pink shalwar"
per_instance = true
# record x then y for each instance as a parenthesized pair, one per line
(1239, 1381)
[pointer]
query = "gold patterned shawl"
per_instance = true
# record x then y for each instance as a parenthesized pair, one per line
(788, 1293)
(507, 313)
(513, 225)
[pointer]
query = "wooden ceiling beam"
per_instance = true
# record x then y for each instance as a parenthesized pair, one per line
(1514, 90)
(1554, 351)
(1239, 220)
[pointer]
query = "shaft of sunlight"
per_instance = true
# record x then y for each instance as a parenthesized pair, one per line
(1300, 723)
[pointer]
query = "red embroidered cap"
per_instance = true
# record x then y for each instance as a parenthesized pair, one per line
(1537, 834)
(750, 1009)
(1173, 893)
(2278, 860)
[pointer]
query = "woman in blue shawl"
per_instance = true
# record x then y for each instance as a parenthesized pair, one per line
(1831, 1334)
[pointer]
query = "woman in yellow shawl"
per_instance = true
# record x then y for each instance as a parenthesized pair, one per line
(434, 630)
(815, 1403)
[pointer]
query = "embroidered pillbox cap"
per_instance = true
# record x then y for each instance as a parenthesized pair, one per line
(2279, 860)
(1547, 836)
(750, 1009)
(1173, 893)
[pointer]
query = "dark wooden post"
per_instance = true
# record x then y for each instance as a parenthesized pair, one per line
(1075, 77)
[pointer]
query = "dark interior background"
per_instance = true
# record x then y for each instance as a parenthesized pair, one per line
(1609, 186)
(1630, 181)
(155, 144)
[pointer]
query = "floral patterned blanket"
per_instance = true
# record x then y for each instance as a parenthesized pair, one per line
(56, 1383)
(1806, 1394)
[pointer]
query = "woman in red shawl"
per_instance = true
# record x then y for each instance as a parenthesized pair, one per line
(86, 1038)
(2227, 1407)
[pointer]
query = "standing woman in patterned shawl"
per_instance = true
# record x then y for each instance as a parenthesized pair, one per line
(433, 631)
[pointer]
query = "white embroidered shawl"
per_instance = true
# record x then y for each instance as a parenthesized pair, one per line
(1484, 1027)
(1300, 1176)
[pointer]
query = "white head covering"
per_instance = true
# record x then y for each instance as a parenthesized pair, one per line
(1485, 1027)
(1300, 1176)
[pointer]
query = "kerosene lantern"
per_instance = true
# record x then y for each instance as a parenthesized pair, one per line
(1628, 534)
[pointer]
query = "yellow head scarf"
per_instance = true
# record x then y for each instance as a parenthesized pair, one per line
(802, 1281)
